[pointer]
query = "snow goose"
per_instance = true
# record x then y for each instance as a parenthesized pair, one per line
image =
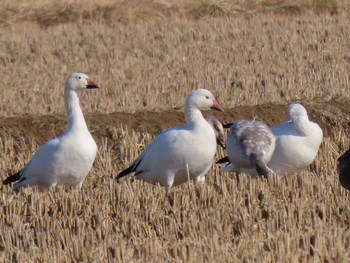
(181, 153)
(67, 159)
(218, 127)
(297, 141)
(344, 169)
(249, 145)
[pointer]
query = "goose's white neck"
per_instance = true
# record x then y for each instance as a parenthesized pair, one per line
(302, 124)
(193, 115)
(75, 116)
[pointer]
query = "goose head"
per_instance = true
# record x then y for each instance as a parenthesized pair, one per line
(203, 99)
(296, 110)
(216, 124)
(80, 81)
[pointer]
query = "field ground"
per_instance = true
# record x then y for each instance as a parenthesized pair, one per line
(42, 128)
(256, 56)
(303, 217)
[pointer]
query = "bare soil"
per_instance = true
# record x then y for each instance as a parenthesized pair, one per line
(329, 115)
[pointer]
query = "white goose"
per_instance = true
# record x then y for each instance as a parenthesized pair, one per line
(297, 141)
(67, 159)
(182, 153)
(218, 127)
(249, 145)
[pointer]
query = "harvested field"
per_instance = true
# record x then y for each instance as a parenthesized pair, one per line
(255, 56)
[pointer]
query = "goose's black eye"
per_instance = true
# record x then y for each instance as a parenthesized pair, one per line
(79, 77)
(207, 97)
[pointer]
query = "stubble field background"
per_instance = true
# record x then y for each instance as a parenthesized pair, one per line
(255, 56)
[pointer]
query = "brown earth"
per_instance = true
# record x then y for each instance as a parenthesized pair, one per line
(328, 115)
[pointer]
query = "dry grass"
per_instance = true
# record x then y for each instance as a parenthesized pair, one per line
(301, 217)
(48, 12)
(148, 59)
(152, 66)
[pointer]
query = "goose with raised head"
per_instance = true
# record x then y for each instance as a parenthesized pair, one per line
(297, 141)
(67, 159)
(249, 145)
(181, 153)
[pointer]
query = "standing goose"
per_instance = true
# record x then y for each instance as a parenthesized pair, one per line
(297, 141)
(181, 153)
(249, 145)
(67, 159)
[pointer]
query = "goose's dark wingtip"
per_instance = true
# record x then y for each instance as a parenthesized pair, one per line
(125, 172)
(223, 160)
(12, 178)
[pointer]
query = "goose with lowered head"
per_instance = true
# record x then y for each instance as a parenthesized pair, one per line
(218, 128)
(67, 159)
(181, 153)
(297, 141)
(249, 145)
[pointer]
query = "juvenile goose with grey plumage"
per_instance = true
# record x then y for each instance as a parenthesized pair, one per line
(249, 145)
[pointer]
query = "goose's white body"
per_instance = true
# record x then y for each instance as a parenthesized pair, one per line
(297, 141)
(183, 153)
(218, 129)
(173, 157)
(67, 159)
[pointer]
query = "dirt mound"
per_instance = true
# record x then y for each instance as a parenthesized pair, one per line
(41, 128)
